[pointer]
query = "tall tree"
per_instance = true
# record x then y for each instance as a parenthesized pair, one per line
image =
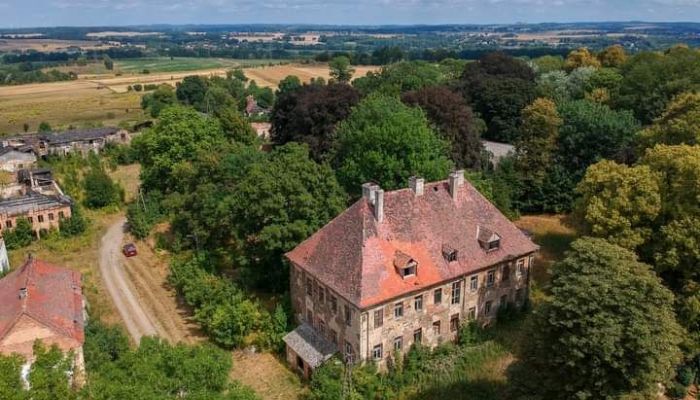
(340, 69)
(166, 150)
(679, 123)
(453, 119)
(499, 87)
(538, 140)
(310, 114)
(613, 56)
(191, 91)
(386, 142)
(161, 98)
(619, 203)
(608, 329)
(580, 58)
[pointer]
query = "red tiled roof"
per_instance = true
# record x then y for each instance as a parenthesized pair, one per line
(354, 254)
(53, 297)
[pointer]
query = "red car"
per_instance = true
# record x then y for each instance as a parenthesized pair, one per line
(129, 250)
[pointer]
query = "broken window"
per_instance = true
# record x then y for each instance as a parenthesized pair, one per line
(449, 253)
(398, 343)
(378, 318)
(456, 292)
(377, 352)
(418, 335)
(491, 278)
(437, 296)
(398, 310)
(334, 304)
(454, 323)
(436, 327)
(487, 308)
(474, 283)
(348, 315)
(418, 303)
(505, 273)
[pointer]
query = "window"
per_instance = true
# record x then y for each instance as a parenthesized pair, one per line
(30, 219)
(436, 327)
(378, 318)
(9, 223)
(418, 303)
(437, 296)
(474, 283)
(377, 352)
(40, 218)
(321, 327)
(61, 215)
(398, 310)
(321, 294)
(490, 278)
(309, 287)
(334, 304)
(348, 315)
(454, 323)
(418, 335)
(472, 313)
(348, 348)
(50, 216)
(456, 292)
(487, 308)
(519, 271)
(309, 317)
(449, 253)
(494, 245)
(398, 343)
(410, 269)
(505, 273)
(300, 363)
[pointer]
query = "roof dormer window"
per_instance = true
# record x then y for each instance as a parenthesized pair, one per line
(488, 240)
(449, 253)
(405, 265)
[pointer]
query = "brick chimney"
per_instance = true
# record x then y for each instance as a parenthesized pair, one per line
(417, 185)
(455, 180)
(379, 204)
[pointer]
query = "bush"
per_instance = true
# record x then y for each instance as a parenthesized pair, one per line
(21, 236)
(75, 225)
(686, 375)
(227, 314)
(470, 334)
(122, 154)
(677, 390)
(100, 190)
(143, 213)
(138, 87)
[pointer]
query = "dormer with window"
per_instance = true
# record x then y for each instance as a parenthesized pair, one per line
(405, 266)
(488, 240)
(449, 253)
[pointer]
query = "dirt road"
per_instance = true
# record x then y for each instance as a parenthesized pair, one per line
(137, 320)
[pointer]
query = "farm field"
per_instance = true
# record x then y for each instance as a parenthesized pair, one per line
(178, 64)
(104, 99)
(47, 44)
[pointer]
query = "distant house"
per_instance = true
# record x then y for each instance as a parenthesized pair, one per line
(252, 109)
(497, 151)
(262, 129)
(403, 267)
(12, 160)
(42, 301)
(43, 211)
(82, 142)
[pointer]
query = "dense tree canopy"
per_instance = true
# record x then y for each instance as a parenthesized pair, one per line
(255, 206)
(651, 80)
(454, 121)
(386, 142)
(608, 329)
(499, 87)
(613, 56)
(161, 98)
(165, 151)
(400, 77)
(310, 113)
(679, 123)
(580, 58)
(620, 203)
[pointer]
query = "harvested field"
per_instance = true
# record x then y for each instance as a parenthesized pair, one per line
(103, 99)
(47, 44)
(65, 103)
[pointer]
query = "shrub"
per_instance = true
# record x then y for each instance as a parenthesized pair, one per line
(143, 214)
(138, 87)
(100, 189)
(686, 375)
(75, 225)
(677, 390)
(21, 236)
(470, 334)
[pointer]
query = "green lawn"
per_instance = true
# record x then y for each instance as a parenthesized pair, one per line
(178, 64)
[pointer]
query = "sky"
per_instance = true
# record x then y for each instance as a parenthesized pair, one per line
(31, 13)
